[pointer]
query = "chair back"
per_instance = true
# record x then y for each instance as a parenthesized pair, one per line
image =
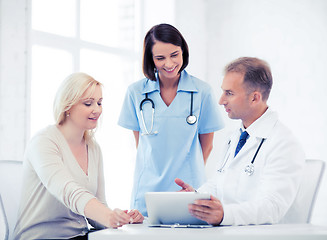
(11, 175)
(301, 209)
(3, 224)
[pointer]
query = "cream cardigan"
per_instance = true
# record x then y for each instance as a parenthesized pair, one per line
(55, 189)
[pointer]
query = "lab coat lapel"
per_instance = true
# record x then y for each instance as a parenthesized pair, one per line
(231, 151)
(261, 128)
(251, 143)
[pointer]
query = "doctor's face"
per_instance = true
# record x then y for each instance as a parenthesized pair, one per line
(168, 59)
(235, 97)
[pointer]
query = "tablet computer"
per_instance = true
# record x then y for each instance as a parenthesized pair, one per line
(171, 208)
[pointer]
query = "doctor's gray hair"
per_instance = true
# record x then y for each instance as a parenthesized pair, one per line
(165, 33)
(69, 93)
(257, 74)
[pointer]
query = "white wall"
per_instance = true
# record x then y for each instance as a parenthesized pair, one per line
(291, 35)
(13, 80)
(191, 21)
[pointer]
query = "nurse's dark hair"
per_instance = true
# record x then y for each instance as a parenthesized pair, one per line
(257, 74)
(164, 33)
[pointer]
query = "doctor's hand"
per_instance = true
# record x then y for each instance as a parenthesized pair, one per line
(135, 216)
(210, 211)
(185, 187)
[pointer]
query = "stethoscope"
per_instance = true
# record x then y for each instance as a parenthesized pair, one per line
(190, 119)
(249, 169)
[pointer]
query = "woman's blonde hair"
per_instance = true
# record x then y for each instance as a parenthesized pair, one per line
(69, 93)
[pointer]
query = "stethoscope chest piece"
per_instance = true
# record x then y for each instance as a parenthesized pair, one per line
(249, 169)
(191, 119)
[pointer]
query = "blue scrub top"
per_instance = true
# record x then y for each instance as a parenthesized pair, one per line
(175, 151)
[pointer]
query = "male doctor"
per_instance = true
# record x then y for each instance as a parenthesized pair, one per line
(257, 179)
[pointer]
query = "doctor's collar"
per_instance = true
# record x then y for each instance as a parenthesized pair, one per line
(260, 130)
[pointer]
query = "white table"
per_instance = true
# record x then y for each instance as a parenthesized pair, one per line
(254, 232)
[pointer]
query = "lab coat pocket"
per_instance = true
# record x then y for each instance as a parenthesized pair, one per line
(247, 184)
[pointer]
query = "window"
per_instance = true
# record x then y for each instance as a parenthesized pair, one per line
(98, 37)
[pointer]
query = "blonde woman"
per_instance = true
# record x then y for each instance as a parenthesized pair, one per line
(63, 183)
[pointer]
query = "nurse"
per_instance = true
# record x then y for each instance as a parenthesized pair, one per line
(173, 116)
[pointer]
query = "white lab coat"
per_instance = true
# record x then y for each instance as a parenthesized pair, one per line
(266, 195)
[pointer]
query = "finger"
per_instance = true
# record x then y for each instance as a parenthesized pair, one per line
(207, 207)
(184, 185)
(138, 218)
(179, 182)
(199, 208)
(213, 218)
(132, 215)
(121, 216)
(132, 212)
(122, 220)
(198, 214)
(204, 213)
(205, 203)
(212, 212)
(213, 203)
(214, 198)
(114, 224)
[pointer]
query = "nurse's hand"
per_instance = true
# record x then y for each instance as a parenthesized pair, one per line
(135, 216)
(185, 187)
(210, 211)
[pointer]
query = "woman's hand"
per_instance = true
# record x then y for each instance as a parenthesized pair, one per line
(136, 216)
(118, 218)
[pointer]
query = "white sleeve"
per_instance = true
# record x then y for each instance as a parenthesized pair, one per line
(210, 186)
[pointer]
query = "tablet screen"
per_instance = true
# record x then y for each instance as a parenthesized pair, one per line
(172, 207)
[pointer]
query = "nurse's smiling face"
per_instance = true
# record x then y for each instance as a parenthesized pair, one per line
(235, 98)
(168, 59)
